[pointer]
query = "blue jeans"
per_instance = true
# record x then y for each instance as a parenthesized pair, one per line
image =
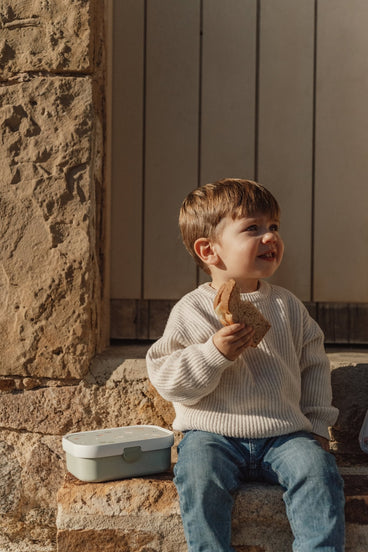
(211, 467)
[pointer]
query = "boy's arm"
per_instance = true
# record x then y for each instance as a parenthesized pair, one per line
(186, 372)
(316, 391)
(187, 363)
(183, 372)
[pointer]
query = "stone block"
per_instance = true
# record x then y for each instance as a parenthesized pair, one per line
(143, 515)
(349, 374)
(45, 36)
(31, 471)
(38, 411)
(48, 268)
(110, 396)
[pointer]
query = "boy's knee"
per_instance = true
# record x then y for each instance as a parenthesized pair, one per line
(322, 467)
(303, 458)
(315, 459)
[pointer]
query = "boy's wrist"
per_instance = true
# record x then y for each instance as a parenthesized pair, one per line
(325, 443)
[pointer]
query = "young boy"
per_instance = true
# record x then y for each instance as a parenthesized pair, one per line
(247, 413)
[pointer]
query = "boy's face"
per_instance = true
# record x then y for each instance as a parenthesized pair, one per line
(247, 248)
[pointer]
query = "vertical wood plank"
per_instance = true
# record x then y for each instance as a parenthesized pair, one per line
(171, 164)
(228, 89)
(341, 228)
(285, 148)
(159, 312)
(127, 157)
(334, 321)
(358, 323)
(129, 319)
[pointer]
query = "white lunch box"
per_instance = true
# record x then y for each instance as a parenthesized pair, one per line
(118, 453)
(363, 435)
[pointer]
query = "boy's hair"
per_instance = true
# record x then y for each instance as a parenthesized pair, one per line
(204, 208)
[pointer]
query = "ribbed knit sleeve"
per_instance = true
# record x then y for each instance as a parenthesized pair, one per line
(184, 365)
(185, 374)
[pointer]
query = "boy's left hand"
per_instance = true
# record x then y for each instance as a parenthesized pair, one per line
(325, 444)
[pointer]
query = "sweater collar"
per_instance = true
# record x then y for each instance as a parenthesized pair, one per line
(260, 294)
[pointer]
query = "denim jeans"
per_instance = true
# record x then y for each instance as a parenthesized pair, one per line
(211, 467)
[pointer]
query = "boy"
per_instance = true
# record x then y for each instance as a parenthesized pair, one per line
(247, 413)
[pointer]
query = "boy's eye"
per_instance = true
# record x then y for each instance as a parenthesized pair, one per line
(254, 228)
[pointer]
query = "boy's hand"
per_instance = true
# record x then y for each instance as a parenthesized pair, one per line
(325, 444)
(232, 340)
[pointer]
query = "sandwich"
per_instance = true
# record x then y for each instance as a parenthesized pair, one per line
(231, 309)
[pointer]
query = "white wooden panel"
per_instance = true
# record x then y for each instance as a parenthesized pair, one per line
(285, 149)
(127, 156)
(171, 165)
(228, 89)
(341, 229)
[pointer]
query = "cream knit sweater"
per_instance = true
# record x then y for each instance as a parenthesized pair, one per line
(280, 387)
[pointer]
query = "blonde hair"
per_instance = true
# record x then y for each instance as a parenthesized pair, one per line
(204, 208)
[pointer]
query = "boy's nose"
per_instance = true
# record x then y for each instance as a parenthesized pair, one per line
(269, 237)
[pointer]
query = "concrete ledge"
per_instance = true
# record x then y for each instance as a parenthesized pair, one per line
(142, 515)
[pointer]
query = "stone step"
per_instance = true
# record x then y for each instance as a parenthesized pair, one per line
(142, 515)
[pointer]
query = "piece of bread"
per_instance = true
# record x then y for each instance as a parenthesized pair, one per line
(230, 309)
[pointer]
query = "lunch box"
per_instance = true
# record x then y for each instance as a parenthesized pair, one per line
(118, 453)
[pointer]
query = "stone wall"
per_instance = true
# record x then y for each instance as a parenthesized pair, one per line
(52, 126)
(115, 392)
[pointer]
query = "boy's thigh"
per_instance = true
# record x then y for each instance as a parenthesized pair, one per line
(297, 457)
(205, 456)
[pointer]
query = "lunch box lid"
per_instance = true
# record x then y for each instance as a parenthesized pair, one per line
(112, 442)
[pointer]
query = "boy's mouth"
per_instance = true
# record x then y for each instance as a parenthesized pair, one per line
(268, 256)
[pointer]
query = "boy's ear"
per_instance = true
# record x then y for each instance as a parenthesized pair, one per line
(205, 251)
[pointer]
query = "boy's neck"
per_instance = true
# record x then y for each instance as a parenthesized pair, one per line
(246, 286)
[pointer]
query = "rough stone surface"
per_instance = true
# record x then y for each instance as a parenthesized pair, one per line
(52, 125)
(142, 515)
(350, 395)
(39, 35)
(10, 476)
(31, 471)
(102, 399)
(115, 392)
(47, 202)
(37, 412)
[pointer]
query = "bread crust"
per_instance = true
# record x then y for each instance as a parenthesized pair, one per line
(231, 309)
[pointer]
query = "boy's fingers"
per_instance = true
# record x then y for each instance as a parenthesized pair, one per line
(243, 340)
(244, 334)
(232, 328)
(236, 329)
(234, 339)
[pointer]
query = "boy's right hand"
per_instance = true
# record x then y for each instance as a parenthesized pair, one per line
(232, 340)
